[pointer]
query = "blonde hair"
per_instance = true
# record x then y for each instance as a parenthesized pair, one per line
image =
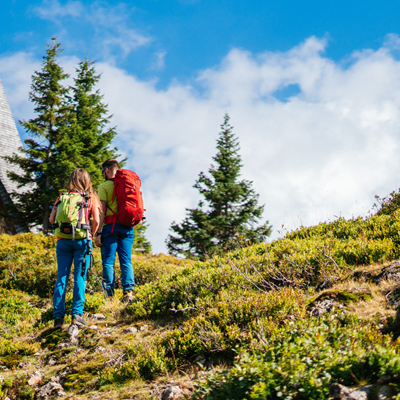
(80, 180)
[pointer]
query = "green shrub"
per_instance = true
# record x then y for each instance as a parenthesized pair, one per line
(9, 347)
(28, 263)
(17, 388)
(232, 321)
(17, 312)
(145, 361)
(151, 268)
(301, 362)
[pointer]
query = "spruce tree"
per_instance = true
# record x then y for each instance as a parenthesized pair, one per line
(141, 244)
(229, 212)
(40, 177)
(87, 138)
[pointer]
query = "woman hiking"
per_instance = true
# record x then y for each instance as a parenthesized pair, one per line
(71, 216)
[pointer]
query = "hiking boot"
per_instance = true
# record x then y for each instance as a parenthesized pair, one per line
(78, 320)
(58, 323)
(127, 297)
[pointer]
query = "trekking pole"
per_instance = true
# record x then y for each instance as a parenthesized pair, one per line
(88, 252)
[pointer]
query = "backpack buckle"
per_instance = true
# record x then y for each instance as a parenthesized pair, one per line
(66, 227)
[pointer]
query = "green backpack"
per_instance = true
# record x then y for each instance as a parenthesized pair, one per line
(72, 218)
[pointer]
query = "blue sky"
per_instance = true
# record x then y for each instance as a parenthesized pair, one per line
(312, 89)
(193, 35)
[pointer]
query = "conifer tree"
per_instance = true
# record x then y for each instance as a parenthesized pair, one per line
(141, 243)
(40, 173)
(68, 132)
(229, 212)
(87, 139)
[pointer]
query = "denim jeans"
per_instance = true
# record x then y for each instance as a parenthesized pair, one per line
(67, 251)
(121, 242)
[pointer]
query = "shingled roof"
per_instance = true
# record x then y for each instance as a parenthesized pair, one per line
(10, 142)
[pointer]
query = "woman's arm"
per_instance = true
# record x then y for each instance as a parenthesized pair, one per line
(52, 218)
(103, 211)
(96, 220)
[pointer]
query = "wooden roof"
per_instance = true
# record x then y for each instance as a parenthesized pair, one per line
(10, 142)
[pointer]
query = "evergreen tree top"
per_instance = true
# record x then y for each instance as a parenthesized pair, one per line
(229, 210)
(48, 95)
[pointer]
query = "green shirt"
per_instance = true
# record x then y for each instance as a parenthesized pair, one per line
(105, 193)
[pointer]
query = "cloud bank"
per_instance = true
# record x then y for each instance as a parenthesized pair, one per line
(313, 153)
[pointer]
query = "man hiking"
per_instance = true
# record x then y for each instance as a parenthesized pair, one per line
(115, 237)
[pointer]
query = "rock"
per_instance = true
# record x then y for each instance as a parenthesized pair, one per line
(384, 379)
(360, 394)
(35, 378)
(338, 391)
(327, 283)
(98, 317)
(51, 389)
(200, 359)
(322, 306)
(73, 331)
(93, 327)
(1, 380)
(144, 328)
(52, 361)
(101, 349)
(393, 296)
(63, 373)
(74, 341)
(37, 355)
(172, 392)
(390, 272)
(386, 392)
(131, 329)
(61, 345)
(23, 364)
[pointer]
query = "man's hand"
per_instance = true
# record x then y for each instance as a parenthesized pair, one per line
(97, 241)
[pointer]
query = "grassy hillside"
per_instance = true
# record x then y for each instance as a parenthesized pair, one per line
(282, 320)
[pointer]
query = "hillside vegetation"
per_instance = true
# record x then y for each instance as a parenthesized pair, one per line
(281, 320)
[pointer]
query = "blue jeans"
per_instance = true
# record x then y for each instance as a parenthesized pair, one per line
(121, 242)
(67, 251)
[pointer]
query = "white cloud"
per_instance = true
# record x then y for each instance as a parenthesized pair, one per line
(326, 151)
(126, 39)
(110, 23)
(15, 75)
(53, 9)
(159, 63)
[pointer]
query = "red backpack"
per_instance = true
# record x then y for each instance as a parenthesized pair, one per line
(129, 199)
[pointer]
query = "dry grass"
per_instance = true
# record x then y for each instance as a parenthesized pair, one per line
(378, 305)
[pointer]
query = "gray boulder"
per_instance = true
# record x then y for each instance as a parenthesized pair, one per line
(338, 391)
(50, 390)
(172, 392)
(360, 394)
